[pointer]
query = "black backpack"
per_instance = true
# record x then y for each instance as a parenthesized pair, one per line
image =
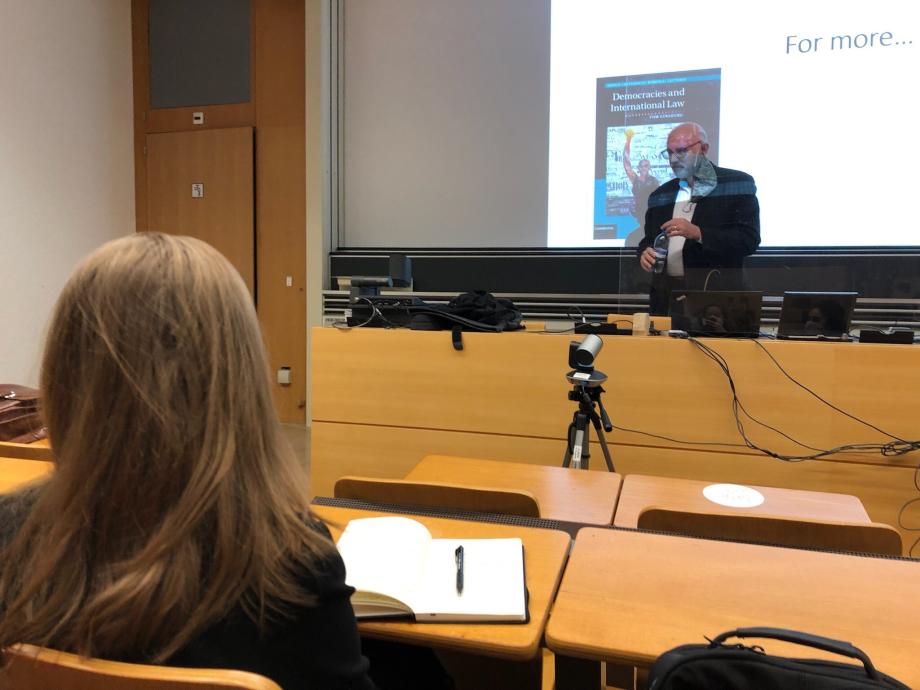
(736, 666)
(484, 308)
(471, 311)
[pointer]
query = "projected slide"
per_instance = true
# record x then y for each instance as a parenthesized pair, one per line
(818, 106)
(635, 113)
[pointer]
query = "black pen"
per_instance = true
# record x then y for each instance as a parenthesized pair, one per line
(458, 559)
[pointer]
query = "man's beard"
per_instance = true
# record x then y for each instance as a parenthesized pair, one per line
(685, 169)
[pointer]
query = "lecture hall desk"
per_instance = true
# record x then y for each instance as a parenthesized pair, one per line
(545, 553)
(384, 399)
(640, 492)
(630, 596)
(15, 472)
(37, 450)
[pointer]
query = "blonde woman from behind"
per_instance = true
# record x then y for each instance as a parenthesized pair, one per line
(175, 528)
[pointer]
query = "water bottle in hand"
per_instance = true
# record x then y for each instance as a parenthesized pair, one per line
(661, 252)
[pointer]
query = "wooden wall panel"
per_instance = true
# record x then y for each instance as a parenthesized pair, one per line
(215, 117)
(281, 250)
(277, 113)
(222, 161)
(514, 383)
(378, 451)
(140, 71)
(147, 120)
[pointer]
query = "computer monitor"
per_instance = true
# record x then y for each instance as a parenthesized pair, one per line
(816, 315)
(717, 313)
(366, 306)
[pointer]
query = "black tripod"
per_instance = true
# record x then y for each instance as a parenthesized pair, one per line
(587, 393)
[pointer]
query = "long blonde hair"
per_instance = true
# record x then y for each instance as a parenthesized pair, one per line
(175, 498)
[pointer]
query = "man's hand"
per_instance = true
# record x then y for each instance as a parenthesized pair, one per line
(630, 133)
(647, 259)
(682, 227)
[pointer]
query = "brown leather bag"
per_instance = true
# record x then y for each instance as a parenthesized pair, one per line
(20, 418)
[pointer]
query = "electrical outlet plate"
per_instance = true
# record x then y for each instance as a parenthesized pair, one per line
(284, 376)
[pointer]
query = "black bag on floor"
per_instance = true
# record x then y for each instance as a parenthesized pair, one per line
(730, 666)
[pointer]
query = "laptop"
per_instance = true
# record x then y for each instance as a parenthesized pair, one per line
(816, 315)
(716, 313)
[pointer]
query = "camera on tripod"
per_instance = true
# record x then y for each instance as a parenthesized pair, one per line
(586, 391)
(581, 359)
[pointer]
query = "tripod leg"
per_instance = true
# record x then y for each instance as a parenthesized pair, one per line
(580, 453)
(570, 432)
(595, 420)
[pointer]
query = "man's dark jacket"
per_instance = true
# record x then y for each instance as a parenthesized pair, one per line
(729, 221)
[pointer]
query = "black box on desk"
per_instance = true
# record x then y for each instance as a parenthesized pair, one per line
(899, 336)
(601, 329)
(381, 312)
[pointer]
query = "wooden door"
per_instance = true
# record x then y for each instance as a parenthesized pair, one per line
(201, 184)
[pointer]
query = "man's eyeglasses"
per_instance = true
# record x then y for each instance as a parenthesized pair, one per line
(678, 153)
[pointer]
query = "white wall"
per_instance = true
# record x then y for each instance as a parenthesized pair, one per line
(66, 156)
(316, 26)
(446, 123)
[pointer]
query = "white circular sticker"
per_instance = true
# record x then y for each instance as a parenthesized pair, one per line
(733, 495)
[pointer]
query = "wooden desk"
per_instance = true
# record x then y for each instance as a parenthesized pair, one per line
(640, 491)
(629, 596)
(15, 472)
(563, 494)
(545, 553)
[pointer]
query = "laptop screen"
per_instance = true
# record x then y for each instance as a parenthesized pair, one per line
(816, 314)
(716, 313)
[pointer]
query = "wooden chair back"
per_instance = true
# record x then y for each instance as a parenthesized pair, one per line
(870, 537)
(40, 450)
(438, 495)
(27, 667)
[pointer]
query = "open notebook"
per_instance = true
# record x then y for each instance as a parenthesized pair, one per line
(398, 569)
